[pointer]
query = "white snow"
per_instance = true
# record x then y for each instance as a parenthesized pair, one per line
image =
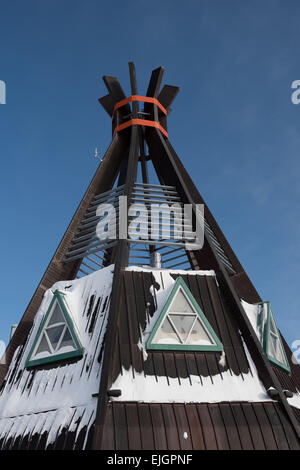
(60, 392)
(252, 311)
(63, 395)
(173, 271)
(222, 360)
(2, 352)
(222, 387)
(227, 387)
(295, 400)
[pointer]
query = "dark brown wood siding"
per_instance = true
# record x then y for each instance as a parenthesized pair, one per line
(223, 426)
(137, 302)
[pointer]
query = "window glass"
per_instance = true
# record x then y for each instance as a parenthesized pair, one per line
(57, 336)
(183, 324)
(166, 334)
(67, 340)
(180, 304)
(199, 335)
(54, 335)
(275, 348)
(272, 341)
(56, 316)
(43, 347)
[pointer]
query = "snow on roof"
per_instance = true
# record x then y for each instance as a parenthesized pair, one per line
(226, 386)
(41, 401)
(210, 272)
(56, 394)
(295, 400)
(253, 311)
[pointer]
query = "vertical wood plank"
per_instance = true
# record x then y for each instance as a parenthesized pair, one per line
(147, 435)
(242, 426)
(254, 428)
(134, 434)
(108, 442)
(195, 427)
(170, 427)
(121, 427)
(183, 427)
(220, 431)
(230, 426)
(207, 428)
(158, 424)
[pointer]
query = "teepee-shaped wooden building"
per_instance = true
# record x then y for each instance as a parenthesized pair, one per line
(142, 342)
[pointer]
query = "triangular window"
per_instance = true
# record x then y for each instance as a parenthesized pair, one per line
(272, 340)
(56, 338)
(183, 325)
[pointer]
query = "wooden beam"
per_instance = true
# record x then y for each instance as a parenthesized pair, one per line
(108, 103)
(134, 90)
(262, 363)
(116, 92)
(162, 151)
(57, 270)
(155, 82)
(153, 91)
(168, 95)
(121, 261)
(174, 173)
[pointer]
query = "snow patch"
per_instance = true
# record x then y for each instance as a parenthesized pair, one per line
(193, 389)
(256, 313)
(222, 387)
(252, 311)
(2, 352)
(222, 360)
(173, 271)
(295, 400)
(228, 387)
(47, 401)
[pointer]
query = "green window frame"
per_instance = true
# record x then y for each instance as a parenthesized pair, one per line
(58, 298)
(266, 332)
(215, 347)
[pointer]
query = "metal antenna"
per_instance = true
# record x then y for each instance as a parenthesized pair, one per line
(96, 155)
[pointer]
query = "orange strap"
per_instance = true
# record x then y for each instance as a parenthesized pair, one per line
(145, 99)
(141, 122)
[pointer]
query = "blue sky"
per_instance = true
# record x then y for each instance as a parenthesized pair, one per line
(233, 125)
